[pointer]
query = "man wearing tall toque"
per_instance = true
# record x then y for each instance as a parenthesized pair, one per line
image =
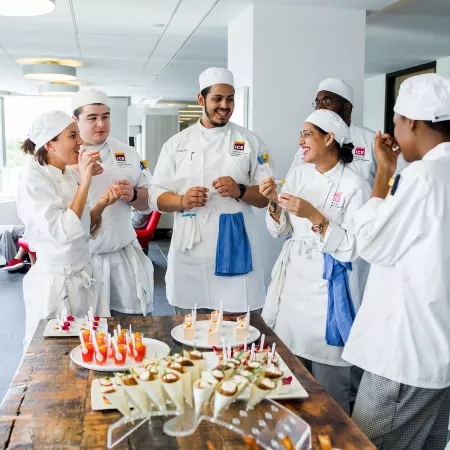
(208, 176)
(127, 272)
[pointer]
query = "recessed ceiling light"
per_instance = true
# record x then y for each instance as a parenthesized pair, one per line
(62, 62)
(49, 72)
(159, 25)
(58, 90)
(26, 7)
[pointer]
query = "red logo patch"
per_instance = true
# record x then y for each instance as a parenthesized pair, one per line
(337, 197)
(360, 151)
(239, 145)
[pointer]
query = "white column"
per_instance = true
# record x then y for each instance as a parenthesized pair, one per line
(119, 118)
(375, 102)
(281, 54)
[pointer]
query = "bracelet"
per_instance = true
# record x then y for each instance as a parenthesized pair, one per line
(181, 203)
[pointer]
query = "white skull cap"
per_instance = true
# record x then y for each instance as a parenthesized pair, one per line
(47, 126)
(89, 97)
(215, 75)
(424, 97)
(337, 86)
(330, 122)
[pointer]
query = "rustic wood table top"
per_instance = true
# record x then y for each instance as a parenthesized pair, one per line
(48, 404)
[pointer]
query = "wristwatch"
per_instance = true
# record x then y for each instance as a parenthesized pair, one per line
(319, 228)
(135, 196)
(243, 189)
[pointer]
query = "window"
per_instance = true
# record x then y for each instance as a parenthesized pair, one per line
(19, 113)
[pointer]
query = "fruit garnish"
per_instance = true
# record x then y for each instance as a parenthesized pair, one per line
(286, 381)
(87, 331)
(106, 401)
(95, 324)
(96, 318)
(71, 318)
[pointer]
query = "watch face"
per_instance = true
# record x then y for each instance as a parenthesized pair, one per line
(316, 228)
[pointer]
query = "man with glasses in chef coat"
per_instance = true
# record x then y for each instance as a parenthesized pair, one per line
(127, 272)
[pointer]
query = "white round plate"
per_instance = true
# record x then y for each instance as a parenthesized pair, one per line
(201, 335)
(155, 350)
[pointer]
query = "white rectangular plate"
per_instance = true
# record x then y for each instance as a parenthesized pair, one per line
(75, 328)
(296, 390)
(201, 334)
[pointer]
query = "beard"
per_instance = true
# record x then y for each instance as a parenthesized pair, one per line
(210, 116)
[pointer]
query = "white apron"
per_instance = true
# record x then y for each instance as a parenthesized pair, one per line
(127, 271)
(297, 298)
(191, 262)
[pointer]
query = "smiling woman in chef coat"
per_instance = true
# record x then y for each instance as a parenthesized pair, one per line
(316, 206)
(59, 223)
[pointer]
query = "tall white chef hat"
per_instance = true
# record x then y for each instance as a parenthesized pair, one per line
(47, 126)
(89, 97)
(337, 86)
(424, 97)
(215, 75)
(330, 122)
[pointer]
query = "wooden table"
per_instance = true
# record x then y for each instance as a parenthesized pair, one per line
(48, 404)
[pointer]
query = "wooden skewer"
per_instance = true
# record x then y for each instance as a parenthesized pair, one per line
(210, 445)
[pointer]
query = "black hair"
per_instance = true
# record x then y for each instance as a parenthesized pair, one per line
(77, 113)
(345, 151)
(205, 92)
(41, 155)
(440, 127)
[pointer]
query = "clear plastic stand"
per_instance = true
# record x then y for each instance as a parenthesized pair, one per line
(269, 423)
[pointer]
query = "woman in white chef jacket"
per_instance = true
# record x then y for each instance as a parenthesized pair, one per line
(59, 223)
(322, 196)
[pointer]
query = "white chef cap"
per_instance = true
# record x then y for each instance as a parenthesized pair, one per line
(215, 75)
(424, 97)
(47, 126)
(89, 97)
(330, 122)
(337, 86)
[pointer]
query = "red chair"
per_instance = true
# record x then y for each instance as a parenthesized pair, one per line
(146, 235)
(24, 244)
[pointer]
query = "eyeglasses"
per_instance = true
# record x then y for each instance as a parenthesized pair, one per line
(325, 102)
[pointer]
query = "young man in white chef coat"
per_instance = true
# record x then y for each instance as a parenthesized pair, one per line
(127, 272)
(208, 175)
(401, 334)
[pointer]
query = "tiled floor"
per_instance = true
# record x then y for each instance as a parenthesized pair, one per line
(12, 316)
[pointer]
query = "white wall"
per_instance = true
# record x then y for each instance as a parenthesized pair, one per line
(374, 102)
(119, 118)
(443, 66)
(282, 56)
(290, 65)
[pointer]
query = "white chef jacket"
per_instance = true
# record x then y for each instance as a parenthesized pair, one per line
(63, 275)
(297, 297)
(196, 157)
(402, 330)
(127, 272)
(364, 162)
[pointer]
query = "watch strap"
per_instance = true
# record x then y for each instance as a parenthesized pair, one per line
(243, 189)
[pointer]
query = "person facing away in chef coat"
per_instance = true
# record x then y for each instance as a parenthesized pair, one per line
(60, 223)
(401, 336)
(127, 272)
(208, 175)
(315, 292)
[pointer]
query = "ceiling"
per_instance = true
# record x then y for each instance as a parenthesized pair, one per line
(406, 34)
(127, 54)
